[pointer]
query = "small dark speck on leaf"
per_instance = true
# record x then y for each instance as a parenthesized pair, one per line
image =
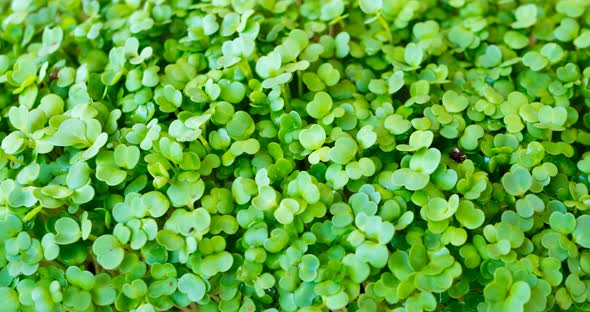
(53, 74)
(457, 155)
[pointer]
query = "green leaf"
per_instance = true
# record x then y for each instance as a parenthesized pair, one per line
(517, 181)
(67, 231)
(11, 301)
(413, 54)
(535, 60)
(185, 193)
(418, 140)
(526, 16)
(155, 203)
(580, 234)
(168, 98)
(126, 156)
(312, 138)
(396, 124)
(410, 179)
(108, 251)
(395, 82)
(193, 286)
(425, 161)
(320, 106)
(329, 75)
(564, 223)
(453, 102)
(515, 40)
(57, 191)
(71, 132)
(268, 65)
(344, 150)
(370, 7)
(491, 58)
(52, 38)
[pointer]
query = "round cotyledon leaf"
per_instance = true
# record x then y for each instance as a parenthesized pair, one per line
(193, 286)
(108, 251)
(581, 234)
(185, 193)
(410, 179)
(156, 203)
(312, 138)
(517, 181)
(320, 106)
(126, 156)
(67, 231)
(426, 160)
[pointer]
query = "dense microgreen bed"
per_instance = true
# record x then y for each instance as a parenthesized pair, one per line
(295, 155)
